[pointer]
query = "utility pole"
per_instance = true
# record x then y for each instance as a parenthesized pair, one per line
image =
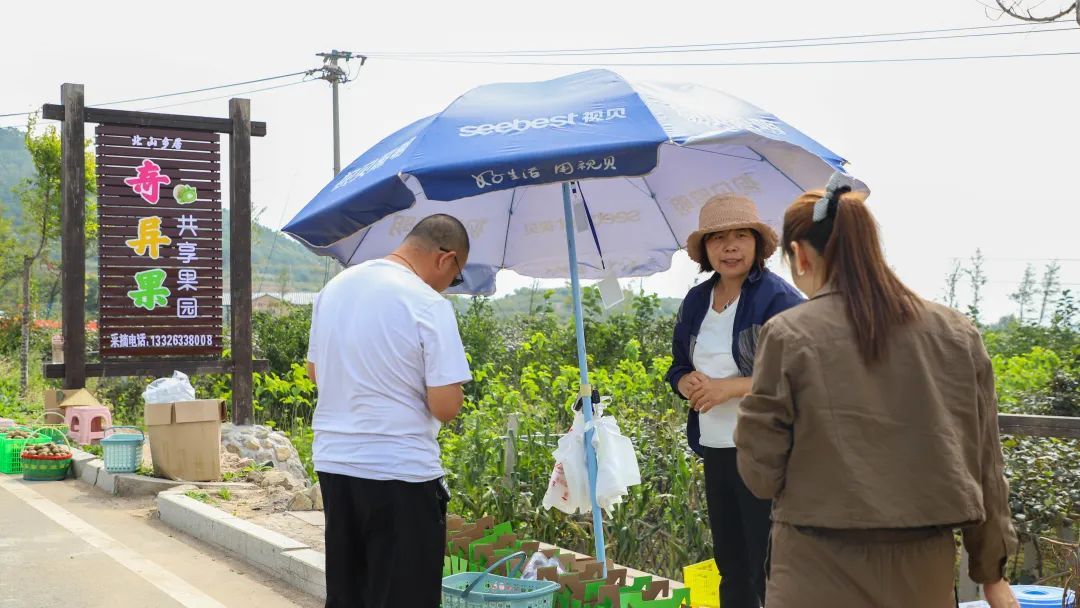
(336, 75)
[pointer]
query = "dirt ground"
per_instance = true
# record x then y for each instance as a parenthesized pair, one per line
(266, 502)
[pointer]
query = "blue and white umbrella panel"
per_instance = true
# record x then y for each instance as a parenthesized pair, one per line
(650, 154)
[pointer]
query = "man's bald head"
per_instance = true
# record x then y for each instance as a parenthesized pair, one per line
(441, 231)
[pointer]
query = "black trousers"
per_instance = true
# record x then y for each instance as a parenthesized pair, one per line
(385, 542)
(740, 525)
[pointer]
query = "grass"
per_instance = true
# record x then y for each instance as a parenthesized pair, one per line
(243, 473)
(224, 494)
(202, 497)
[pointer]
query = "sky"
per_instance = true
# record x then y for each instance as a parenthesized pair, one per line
(959, 155)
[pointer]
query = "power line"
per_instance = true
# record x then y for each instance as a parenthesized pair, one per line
(666, 46)
(705, 45)
(740, 63)
(204, 89)
(186, 103)
(195, 101)
(1014, 283)
(990, 259)
(164, 95)
(717, 47)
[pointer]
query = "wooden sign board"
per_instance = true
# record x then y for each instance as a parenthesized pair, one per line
(160, 242)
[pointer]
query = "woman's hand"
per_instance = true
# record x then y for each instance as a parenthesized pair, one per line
(1000, 595)
(716, 391)
(690, 382)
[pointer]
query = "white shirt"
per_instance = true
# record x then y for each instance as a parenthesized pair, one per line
(712, 357)
(379, 337)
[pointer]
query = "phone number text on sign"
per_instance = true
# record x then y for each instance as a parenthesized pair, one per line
(117, 340)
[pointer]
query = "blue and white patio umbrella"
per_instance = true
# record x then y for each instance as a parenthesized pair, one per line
(584, 176)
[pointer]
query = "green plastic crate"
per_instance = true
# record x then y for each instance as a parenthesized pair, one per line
(11, 450)
(453, 564)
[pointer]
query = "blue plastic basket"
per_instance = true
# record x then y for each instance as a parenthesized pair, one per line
(122, 452)
(486, 590)
(1037, 596)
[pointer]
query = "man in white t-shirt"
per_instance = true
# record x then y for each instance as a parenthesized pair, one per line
(387, 357)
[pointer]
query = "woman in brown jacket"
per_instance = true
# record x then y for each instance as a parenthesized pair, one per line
(872, 424)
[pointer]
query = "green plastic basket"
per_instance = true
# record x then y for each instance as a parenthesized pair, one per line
(47, 468)
(56, 431)
(486, 590)
(11, 450)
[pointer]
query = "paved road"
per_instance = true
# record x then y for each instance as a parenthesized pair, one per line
(65, 544)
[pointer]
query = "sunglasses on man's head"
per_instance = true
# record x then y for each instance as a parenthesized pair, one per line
(458, 280)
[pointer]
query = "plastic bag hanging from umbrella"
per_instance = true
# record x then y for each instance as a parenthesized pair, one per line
(617, 170)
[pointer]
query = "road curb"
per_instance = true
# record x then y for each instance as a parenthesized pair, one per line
(90, 470)
(289, 560)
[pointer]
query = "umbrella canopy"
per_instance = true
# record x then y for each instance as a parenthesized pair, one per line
(652, 154)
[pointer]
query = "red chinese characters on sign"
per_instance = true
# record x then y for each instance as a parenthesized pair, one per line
(148, 182)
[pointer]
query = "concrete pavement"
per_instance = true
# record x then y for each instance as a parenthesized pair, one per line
(66, 544)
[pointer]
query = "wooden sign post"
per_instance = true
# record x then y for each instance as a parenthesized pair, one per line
(161, 248)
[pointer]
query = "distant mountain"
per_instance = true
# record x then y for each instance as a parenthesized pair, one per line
(280, 264)
(14, 166)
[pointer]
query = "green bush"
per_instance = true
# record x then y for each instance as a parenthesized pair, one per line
(282, 340)
(1020, 375)
(1044, 496)
(12, 404)
(285, 402)
(124, 397)
(11, 339)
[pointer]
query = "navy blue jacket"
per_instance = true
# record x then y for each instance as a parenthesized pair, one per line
(763, 296)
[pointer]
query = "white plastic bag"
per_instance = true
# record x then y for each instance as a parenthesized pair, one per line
(538, 561)
(169, 390)
(568, 488)
(617, 465)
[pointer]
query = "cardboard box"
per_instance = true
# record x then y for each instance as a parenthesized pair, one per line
(185, 439)
(53, 400)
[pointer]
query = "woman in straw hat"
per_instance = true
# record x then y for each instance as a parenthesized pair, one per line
(872, 422)
(713, 348)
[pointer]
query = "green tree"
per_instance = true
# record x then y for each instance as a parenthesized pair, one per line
(977, 276)
(9, 264)
(952, 280)
(1049, 287)
(1025, 293)
(40, 198)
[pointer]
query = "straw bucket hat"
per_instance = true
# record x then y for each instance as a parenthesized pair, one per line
(729, 212)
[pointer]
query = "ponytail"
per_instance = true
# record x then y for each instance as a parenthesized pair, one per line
(847, 237)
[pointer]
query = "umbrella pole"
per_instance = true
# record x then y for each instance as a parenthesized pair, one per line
(583, 367)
